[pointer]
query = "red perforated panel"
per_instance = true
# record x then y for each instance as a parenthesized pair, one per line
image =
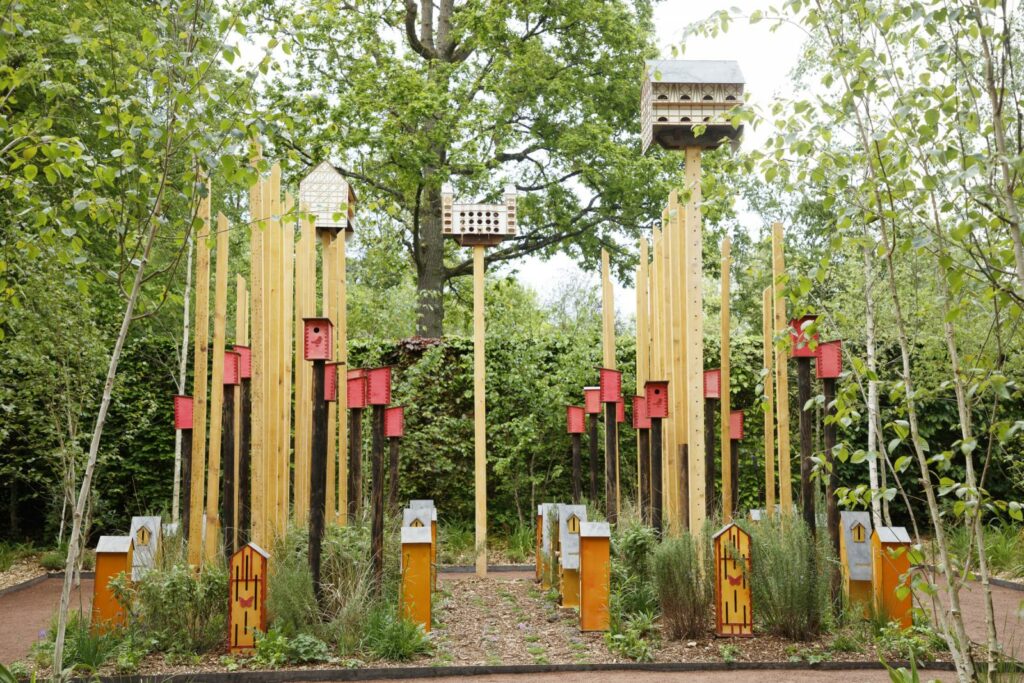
(830, 360)
(380, 386)
(713, 383)
(232, 360)
(798, 334)
(394, 422)
(574, 418)
(316, 339)
(736, 425)
(183, 412)
(592, 400)
(620, 410)
(611, 385)
(244, 361)
(640, 418)
(331, 382)
(657, 399)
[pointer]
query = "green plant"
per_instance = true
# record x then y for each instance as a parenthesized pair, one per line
(11, 553)
(15, 673)
(846, 642)
(389, 637)
(918, 642)
(274, 649)
(902, 675)
(684, 588)
(521, 543)
(456, 541)
(633, 590)
(85, 649)
(728, 653)
(53, 560)
(632, 639)
(130, 653)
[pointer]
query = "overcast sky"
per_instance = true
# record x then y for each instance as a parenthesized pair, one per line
(766, 58)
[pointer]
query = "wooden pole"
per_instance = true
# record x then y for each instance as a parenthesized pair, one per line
(244, 468)
(803, 383)
(611, 437)
(728, 491)
(828, 386)
(288, 312)
(734, 459)
(644, 483)
(769, 411)
(608, 361)
(186, 475)
(694, 277)
(257, 451)
(643, 360)
(675, 361)
(305, 307)
(592, 446)
(377, 500)
(217, 415)
(394, 463)
(656, 475)
(228, 482)
(341, 355)
(330, 307)
(710, 404)
(577, 470)
(355, 461)
(781, 375)
(201, 360)
(318, 475)
(479, 412)
(273, 375)
(241, 337)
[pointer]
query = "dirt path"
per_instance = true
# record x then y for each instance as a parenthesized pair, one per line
(1008, 606)
(24, 613)
(783, 676)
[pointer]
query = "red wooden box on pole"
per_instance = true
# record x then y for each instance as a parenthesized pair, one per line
(656, 404)
(611, 390)
(394, 430)
(575, 418)
(592, 407)
(804, 345)
(183, 422)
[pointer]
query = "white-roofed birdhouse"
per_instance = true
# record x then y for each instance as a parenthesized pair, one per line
(679, 95)
(472, 224)
(326, 195)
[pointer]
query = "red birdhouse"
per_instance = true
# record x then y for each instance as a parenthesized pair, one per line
(641, 420)
(620, 410)
(244, 361)
(736, 425)
(183, 412)
(592, 400)
(611, 385)
(232, 363)
(713, 383)
(394, 422)
(317, 339)
(331, 382)
(798, 334)
(657, 399)
(379, 380)
(574, 418)
(830, 360)
(358, 394)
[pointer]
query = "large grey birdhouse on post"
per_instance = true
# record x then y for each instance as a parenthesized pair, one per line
(326, 195)
(678, 95)
(478, 224)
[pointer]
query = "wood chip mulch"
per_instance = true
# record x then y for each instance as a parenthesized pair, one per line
(24, 569)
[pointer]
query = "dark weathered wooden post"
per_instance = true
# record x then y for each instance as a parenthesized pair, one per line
(735, 436)
(379, 380)
(574, 419)
(358, 395)
(656, 400)
(828, 368)
(183, 422)
(642, 425)
(244, 482)
(227, 451)
(394, 430)
(317, 345)
(611, 390)
(803, 353)
(712, 395)
(592, 407)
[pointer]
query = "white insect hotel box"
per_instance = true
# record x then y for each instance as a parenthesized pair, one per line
(330, 199)
(473, 224)
(677, 95)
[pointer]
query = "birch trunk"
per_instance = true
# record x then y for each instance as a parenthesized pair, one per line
(182, 372)
(869, 327)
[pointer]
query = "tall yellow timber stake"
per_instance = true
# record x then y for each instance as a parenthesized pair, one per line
(479, 411)
(657, 344)
(726, 445)
(341, 355)
(675, 314)
(257, 314)
(287, 304)
(781, 375)
(220, 314)
(330, 308)
(202, 341)
(272, 275)
(769, 412)
(694, 335)
(608, 353)
(643, 340)
(242, 338)
(305, 307)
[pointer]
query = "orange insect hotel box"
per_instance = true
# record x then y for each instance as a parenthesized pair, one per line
(247, 597)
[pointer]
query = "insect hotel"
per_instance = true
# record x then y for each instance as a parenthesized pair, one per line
(570, 519)
(478, 224)
(677, 96)
(855, 556)
(326, 194)
(247, 596)
(734, 614)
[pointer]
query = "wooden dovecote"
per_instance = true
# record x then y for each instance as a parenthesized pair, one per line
(326, 195)
(478, 224)
(677, 95)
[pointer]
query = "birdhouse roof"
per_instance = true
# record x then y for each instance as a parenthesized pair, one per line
(152, 522)
(595, 530)
(892, 534)
(694, 71)
(413, 534)
(114, 544)
(726, 528)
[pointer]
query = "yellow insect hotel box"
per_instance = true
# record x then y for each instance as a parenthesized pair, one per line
(595, 576)
(416, 573)
(247, 597)
(570, 519)
(113, 556)
(855, 556)
(890, 569)
(688, 103)
(734, 603)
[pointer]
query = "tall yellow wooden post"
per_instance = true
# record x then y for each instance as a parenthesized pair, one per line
(694, 339)
(341, 355)
(305, 307)
(220, 310)
(643, 340)
(272, 381)
(288, 310)
(329, 261)
(201, 359)
(608, 355)
(781, 374)
(769, 413)
(242, 339)
(726, 411)
(479, 412)
(257, 314)
(675, 357)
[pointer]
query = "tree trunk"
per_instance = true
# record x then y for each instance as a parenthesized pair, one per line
(430, 267)
(182, 374)
(869, 329)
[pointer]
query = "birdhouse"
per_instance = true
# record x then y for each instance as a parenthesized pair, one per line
(574, 419)
(595, 576)
(713, 383)
(736, 425)
(331, 381)
(394, 422)
(113, 557)
(183, 412)
(358, 390)
(890, 573)
(678, 95)
(592, 400)
(570, 520)
(416, 575)
(641, 420)
(620, 410)
(247, 597)
(145, 534)
(734, 614)
(829, 363)
(232, 367)
(484, 224)
(429, 505)
(611, 385)
(316, 339)
(378, 382)
(855, 556)
(244, 361)
(800, 337)
(326, 195)
(657, 399)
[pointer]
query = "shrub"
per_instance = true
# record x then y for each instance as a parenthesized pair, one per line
(11, 553)
(790, 580)
(684, 586)
(53, 560)
(274, 649)
(291, 602)
(85, 648)
(456, 541)
(917, 642)
(630, 639)
(521, 543)
(632, 589)
(389, 637)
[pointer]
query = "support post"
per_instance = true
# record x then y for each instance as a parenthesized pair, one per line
(694, 337)
(244, 462)
(644, 458)
(393, 466)
(479, 413)
(227, 448)
(803, 380)
(781, 375)
(257, 450)
(340, 506)
(828, 385)
(684, 488)
(643, 365)
(377, 500)
(355, 462)
(218, 392)
(769, 410)
(710, 406)
(656, 476)
(608, 361)
(186, 476)
(577, 470)
(734, 474)
(199, 393)
(728, 477)
(318, 476)
(611, 434)
(592, 445)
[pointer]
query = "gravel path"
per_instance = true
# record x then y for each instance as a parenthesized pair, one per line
(24, 613)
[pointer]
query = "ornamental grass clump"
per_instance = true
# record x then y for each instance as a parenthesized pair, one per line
(684, 586)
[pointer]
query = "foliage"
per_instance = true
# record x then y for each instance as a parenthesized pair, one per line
(633, 592)
(274, 650)
(389, 637)
(631, 638)
(684, 585)
(1003, 547)
(85, 649)
(919, 642)
(790, 578)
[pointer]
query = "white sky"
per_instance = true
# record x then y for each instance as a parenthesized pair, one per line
(766, 59)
